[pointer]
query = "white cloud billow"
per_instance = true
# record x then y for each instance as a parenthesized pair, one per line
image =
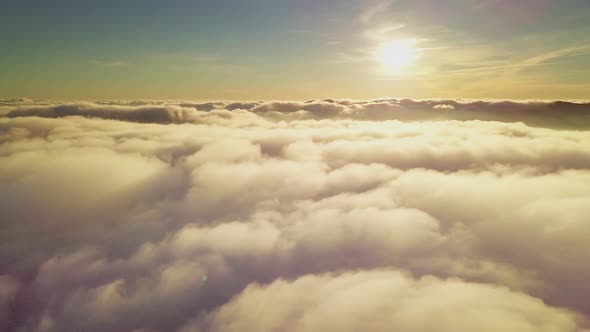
(294, 216)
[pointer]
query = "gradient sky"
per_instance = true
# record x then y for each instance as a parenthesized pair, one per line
(292, 49)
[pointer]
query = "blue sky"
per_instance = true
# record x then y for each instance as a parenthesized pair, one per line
(263, 49)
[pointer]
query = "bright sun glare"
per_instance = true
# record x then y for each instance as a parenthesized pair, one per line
(395, 56)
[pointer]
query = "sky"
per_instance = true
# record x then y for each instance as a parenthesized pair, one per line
(296, 50)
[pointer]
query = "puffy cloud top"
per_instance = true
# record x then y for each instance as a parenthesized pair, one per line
(342, 215)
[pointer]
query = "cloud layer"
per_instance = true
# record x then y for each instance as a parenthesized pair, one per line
(286, 216)
(558, 114)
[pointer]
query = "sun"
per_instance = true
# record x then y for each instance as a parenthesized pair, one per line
(395, 56)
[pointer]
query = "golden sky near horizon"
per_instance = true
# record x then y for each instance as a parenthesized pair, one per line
(251, 50)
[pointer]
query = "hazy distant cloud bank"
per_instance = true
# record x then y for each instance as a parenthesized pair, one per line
(558, 114)
(332, 215)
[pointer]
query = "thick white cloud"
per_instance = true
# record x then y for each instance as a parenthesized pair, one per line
(443, 107)
(384, 301)
(332, 214)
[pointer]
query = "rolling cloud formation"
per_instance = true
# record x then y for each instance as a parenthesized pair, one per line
(344, 215)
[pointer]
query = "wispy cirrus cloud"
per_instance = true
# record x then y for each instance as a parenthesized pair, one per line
(112, 63)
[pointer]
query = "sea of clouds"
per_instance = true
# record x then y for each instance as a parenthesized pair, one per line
(325, 215)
